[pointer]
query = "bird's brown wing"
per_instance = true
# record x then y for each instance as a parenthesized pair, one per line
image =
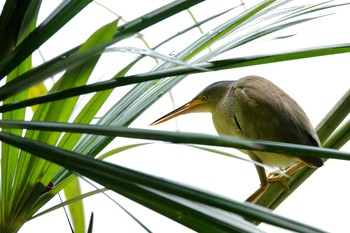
(266, 112)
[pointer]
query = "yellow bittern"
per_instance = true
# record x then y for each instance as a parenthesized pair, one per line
(253, 107)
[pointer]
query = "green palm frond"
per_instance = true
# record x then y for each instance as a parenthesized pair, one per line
(75, 121)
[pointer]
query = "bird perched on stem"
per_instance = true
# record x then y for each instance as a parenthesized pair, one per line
(254, 108)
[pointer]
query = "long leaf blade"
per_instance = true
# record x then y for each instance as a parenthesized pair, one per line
(110, 175)
(66, 11)
(211, 66)
(71, 59)
(181, 137)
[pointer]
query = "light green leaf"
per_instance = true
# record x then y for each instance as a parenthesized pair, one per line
(76, 208)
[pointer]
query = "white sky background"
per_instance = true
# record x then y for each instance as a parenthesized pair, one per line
(316, 84)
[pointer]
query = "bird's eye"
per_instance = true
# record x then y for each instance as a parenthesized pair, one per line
(204, 98)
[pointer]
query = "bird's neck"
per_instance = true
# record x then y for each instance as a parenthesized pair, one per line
(224, 121)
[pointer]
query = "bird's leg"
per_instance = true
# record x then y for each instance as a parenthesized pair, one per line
(263, 179)
(252, 198)
(272, 177)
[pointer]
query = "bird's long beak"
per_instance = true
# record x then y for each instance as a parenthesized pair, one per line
(187, 108)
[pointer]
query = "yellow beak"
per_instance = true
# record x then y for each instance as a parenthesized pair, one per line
(187, 108)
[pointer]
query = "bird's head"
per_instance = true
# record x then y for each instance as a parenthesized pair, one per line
(205, 101)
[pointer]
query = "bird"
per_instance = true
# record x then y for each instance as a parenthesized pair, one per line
(253, 107)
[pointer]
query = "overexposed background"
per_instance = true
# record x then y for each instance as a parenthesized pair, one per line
(316, 84)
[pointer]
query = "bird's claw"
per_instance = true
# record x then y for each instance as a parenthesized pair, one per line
(278, 177)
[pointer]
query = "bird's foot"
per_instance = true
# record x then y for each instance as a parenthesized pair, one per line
(281, 176)
(278, 177)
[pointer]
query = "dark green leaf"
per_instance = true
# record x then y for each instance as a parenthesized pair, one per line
(151, 191)
(71, 59)
(181, 137)
(63, 14)
(213, 66)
